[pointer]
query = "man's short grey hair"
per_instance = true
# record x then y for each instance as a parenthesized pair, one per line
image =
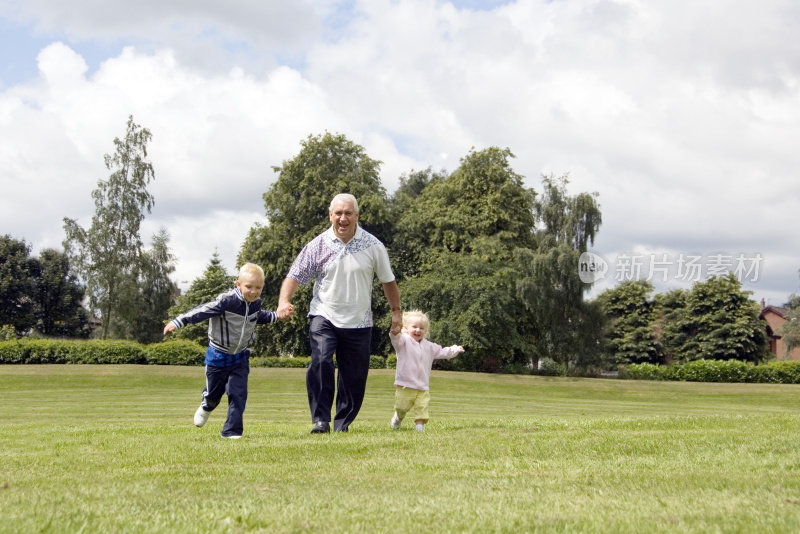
(344, 196)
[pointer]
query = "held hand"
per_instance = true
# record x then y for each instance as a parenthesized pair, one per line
(397, 322)
(285, 310)
(460, 349)
(169, 328)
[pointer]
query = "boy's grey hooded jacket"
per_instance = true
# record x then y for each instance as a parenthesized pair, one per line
(231, 320)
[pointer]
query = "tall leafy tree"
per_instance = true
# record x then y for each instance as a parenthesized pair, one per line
(59, 298)
(156, 290)
(482, 197)
(470, 298)
(410, 188)
(630, 334)
(670, 307)
(17, 282)
(108, 254)
(456, 238)
(718, 321)
(567, 328)
(297, 210)
(214, 281)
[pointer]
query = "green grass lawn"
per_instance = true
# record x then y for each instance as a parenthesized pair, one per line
(113, 449)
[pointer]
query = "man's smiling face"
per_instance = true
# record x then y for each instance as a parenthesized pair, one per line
(344, 219)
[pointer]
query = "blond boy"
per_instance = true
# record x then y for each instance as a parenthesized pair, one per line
(232, 318)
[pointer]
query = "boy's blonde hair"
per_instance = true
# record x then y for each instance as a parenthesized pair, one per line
(251, 268)
(421, 316)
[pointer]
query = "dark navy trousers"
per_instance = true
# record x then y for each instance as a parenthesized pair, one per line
(351, 346)
(230, 380)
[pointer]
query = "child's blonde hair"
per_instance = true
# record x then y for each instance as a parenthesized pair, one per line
(422, 317)
(251, 268)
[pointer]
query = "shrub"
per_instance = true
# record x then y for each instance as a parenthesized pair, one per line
(644, 371)
(391, 361)
(14, 351)
(377, 362)
(49, 350)
(7, 333)
(549, 367)
(109, 351)
(175, 352)
(276, 361)
(783, 372)
(715, 371)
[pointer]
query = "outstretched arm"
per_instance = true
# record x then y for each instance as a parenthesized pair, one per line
(288, 289)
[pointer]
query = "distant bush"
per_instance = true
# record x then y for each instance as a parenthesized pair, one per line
(549, 367)
(715, 371)
(7, 332)
(96, 351)
(645, 371)
(276, 361)
(107, 351)
(391, 361)
(176, 352)
(783, 372)
(375, 362)
(99, 351)
(775, 372)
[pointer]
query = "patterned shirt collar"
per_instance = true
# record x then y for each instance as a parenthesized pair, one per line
(333, 237)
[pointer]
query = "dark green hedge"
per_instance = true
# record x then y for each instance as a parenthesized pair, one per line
(774, 372)
(375, 362)
(178, 352)
(95, 351)
(275, 361)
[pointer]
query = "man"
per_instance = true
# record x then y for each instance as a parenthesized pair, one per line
(342, 261)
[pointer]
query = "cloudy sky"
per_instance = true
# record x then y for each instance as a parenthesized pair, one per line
(684, 116)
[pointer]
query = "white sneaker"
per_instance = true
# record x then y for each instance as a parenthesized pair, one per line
(419, 427)
(231, 437)
(395, 422)
(201, 416)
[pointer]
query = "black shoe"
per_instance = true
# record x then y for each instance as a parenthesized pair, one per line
(343, 429)
(321, 427)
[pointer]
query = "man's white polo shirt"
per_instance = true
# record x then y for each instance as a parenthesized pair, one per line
(342, 274)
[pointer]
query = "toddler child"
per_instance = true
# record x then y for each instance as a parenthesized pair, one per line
(415, 355)
(232, 318)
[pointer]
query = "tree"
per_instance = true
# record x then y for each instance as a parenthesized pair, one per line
(566, 220)
(108, 254)
(59, 298)
(718, 322)
(156, 290)
(471, 301)
(482, 197)
(404, 197)
(454, 248)
(567, 328)
(790, 330)
(17, 272)
(215, 281)
(630, 334)
(669, 310)
(297, 209)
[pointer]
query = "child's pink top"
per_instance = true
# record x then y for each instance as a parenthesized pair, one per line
(414, 360)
